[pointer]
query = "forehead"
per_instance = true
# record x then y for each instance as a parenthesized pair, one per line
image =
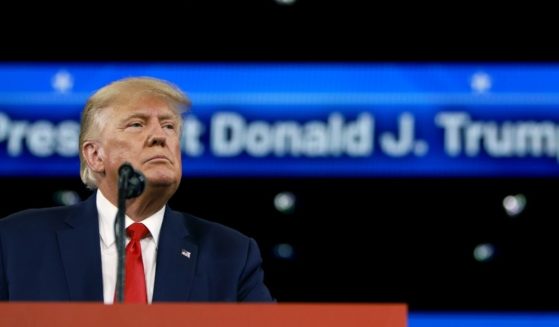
(146, 105)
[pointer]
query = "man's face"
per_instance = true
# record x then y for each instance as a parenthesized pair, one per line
(144, 133)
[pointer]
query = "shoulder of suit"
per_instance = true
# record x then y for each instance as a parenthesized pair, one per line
(36, 216)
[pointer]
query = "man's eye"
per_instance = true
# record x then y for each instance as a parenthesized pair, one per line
(169, 126)
(135, 125)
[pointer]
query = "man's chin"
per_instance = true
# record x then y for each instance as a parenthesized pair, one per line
(158, 179)
(161, 182)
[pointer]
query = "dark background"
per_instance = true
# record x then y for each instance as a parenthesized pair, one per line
(355, 240)
(377, 240)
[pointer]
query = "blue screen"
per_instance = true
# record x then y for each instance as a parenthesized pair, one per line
(309, 120)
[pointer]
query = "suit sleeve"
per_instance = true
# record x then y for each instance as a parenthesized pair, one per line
(251, 283)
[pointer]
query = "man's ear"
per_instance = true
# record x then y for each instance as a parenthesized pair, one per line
(93, 154)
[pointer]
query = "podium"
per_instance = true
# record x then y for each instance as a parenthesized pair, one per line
(47, 314)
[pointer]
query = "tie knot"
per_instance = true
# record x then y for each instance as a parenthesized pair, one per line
(137, 231)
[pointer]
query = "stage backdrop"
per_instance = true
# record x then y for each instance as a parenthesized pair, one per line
(318, 120)
(429, 184)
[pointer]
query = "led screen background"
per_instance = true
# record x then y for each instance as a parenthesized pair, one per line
(307, 120)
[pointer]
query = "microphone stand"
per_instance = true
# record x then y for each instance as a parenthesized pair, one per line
(130, 184)
(119, 237)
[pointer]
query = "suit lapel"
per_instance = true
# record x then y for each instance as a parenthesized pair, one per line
(176, 259)
(81, 254)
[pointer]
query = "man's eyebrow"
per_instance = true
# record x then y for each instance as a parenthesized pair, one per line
(135, 115)
(168, 116)
(146, 116)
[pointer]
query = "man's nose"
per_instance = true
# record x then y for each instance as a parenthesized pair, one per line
(157, 136)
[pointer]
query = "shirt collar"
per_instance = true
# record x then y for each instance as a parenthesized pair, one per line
(107, 215)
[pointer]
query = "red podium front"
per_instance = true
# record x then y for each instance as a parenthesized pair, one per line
(202, 314)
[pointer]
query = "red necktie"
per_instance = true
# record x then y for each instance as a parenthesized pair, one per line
(135, 283)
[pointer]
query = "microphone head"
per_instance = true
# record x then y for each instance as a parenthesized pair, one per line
(136, 185)
(131, 181)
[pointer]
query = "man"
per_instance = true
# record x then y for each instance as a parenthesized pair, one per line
(69, 253)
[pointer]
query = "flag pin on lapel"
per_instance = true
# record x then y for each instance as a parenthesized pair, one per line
(185, 253)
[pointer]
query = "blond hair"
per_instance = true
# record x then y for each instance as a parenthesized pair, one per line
(119, 93)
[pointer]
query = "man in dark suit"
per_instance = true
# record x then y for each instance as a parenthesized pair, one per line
(69, 253)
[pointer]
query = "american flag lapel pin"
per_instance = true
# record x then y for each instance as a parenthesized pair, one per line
(185, 253)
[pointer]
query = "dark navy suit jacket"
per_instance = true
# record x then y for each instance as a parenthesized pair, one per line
(54, 255)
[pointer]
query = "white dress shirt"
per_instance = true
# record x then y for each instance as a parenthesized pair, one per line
(107, 215)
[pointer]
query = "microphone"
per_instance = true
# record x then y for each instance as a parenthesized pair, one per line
(131, 183)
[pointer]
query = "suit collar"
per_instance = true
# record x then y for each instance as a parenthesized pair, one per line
(80, 252)
(177, 255)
